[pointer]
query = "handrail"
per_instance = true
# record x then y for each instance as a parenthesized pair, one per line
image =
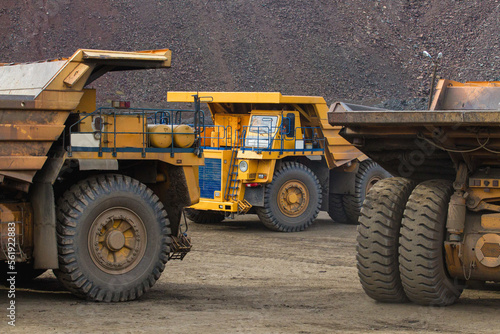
(312, 139)
(147, 116)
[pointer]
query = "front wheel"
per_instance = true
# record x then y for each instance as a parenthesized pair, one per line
(113, 238)
(292, 200)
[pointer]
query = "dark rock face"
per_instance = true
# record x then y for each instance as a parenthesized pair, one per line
(360, 51)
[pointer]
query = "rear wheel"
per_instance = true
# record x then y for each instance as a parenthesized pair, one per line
(205, 216)
(421, 254)
(336, 209)
(378, 239)
(292, 200)
(113, 238)
(368, 174)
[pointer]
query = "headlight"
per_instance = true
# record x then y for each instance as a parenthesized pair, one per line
(243, 166)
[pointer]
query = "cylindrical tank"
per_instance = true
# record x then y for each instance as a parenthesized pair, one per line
(183, 136)
(160, 135)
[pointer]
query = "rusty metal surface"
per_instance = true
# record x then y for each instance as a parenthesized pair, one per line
(36, 99)
(463, 126)
(477, 256)
(32, 117)
(30, 132)
(25, 138)
(416, 118)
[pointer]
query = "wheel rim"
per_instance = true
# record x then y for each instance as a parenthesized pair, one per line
(371, 183)
(293, 198)
(117, 240)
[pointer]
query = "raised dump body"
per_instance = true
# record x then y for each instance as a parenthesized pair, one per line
(277, 156)
(428, 232)
(91, 174)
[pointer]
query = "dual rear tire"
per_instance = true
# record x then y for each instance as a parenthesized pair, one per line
(400, 243)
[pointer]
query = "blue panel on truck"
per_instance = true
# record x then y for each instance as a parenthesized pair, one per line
(210, 177)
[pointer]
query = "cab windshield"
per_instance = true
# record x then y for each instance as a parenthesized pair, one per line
(263, 124)
(261, 131)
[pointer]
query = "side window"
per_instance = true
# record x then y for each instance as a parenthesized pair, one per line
(289, 125)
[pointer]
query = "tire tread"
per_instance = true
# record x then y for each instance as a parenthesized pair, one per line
(422, 265)
(70, 207)
(378, 239)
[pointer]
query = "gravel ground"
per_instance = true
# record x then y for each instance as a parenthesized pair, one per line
(242, 278)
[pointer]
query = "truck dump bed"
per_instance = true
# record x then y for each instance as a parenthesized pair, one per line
(462, 126)
(37, 98)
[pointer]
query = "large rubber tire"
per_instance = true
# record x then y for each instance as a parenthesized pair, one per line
(378, 239)
(336, 209)
(205, 216)
(369, 173)
(292, 200)
(98, 263)
(421, 254)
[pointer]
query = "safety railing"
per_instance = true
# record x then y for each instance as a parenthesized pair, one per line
(220, 137)
(106, 135)
(264, 139)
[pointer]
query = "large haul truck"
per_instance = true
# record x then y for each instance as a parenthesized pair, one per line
(277, 156)
(427, 233)
(85, 191)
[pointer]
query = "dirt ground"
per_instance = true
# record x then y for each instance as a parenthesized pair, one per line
(242, 278)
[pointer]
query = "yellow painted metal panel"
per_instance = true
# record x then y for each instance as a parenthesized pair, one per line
(191, 174)
(336, 141)
(87, 102)
(76, 74)
(243, 97)
(56, 100)
(133, 124)
(205, 204)
(491, 221)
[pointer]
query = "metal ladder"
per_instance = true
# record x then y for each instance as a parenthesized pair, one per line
(233, 186)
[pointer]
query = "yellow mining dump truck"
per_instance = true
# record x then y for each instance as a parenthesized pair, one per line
(82, 190)
(427, 233)
(278, 157)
